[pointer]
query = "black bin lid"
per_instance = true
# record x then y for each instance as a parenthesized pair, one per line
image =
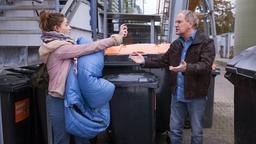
(147, 80)
(244, 63)
(10, 82)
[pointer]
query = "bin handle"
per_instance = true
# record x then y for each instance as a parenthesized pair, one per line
(142, 79)
(230, 77)
(231, 69)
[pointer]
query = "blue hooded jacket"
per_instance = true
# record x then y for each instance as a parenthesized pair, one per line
(87, 96)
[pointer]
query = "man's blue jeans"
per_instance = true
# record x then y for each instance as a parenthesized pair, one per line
(179, 109)
(55, 110)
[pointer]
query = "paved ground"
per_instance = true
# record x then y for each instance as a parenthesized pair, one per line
(222, 131)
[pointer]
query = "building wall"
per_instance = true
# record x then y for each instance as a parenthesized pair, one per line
(245, 25)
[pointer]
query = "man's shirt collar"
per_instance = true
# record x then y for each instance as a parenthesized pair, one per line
(192, 37)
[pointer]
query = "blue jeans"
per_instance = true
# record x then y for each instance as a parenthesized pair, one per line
(179, 109)
(55, 110)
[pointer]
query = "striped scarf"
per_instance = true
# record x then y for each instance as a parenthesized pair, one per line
(47, 37)
(52, 41)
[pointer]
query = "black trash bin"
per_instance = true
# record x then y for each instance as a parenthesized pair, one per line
(241, 72)
(119, 62)
(41, 132)
(133, 108)
(207, 119)
(15, 109)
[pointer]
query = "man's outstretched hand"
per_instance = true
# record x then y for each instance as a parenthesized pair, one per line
(181, 68)
(138, 58)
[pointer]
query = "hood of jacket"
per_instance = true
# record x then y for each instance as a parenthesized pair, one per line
(46, 48)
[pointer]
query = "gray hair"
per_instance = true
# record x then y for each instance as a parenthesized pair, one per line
(190, 17)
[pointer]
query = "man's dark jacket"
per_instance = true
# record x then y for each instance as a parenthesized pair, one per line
(199, 58)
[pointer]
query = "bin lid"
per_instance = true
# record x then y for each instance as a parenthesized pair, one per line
(244, 63)
(133, 80)
(119, 55)
(10, 82)
(138, 48)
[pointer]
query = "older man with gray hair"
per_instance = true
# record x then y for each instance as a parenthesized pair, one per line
(189, 60)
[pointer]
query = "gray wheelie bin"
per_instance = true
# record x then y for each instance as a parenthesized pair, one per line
(15, 109)
(241, 72)
(37, 77)
(207, 119)
(133, 108)
(117, 61)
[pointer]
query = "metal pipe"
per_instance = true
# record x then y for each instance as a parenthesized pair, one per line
(152, 31)
(205, 23)
(171, 20)
(213, 24)
(94, 19)
(105, 22)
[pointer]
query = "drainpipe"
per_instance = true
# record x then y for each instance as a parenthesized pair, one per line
(105, 21)
(213, 24)
(171, 20)
(206, 26)
(94, 18)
